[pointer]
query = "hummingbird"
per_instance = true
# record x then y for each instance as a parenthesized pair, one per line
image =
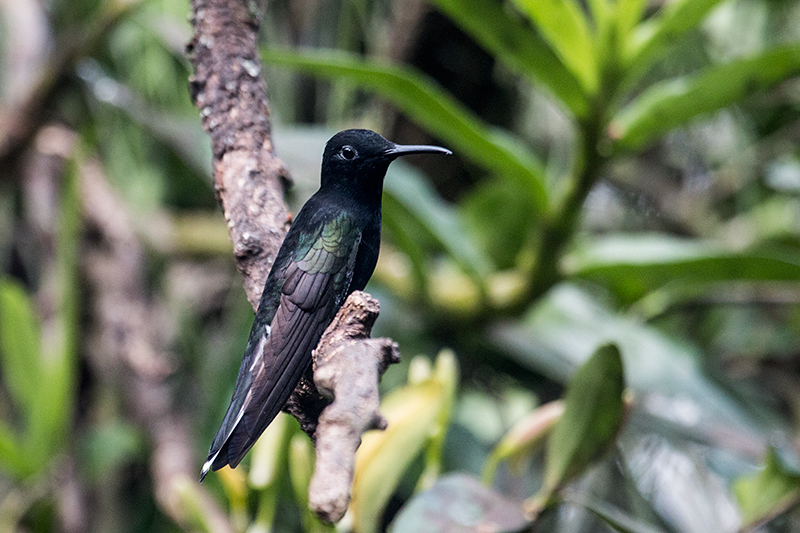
(330, 251)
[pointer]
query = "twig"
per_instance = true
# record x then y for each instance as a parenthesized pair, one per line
(347, 366)
(228, 89)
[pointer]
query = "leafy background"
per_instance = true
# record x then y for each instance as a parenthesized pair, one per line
(597, 299)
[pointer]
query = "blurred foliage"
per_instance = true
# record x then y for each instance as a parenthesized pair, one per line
(641, 187)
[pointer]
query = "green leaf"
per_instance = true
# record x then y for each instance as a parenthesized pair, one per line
(628, 13)
(672, 103)
(654, 35)
(770, 492)
(632, 266)
(499, 218)
(301, 468)
(19, 345)
(416, 413)
(569, 324)
(433, 108)
(52, 413)
(439, 220)
(518, 46)
(13, 459)
(614, 518)
(400, 225)
(458, 503)
(593, 415)
(527, 436)
(563, 25)
(109, 446)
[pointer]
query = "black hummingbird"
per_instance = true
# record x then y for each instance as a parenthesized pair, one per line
(330, 251)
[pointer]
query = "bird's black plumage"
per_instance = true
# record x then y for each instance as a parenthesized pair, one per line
(330, 251)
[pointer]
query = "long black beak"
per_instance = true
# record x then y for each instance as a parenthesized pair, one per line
(409, 149)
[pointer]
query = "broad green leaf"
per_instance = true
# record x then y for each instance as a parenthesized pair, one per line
(19, 345)
(767, 493)
(593, 415)
(440, 220)
(569, 324)
(458, 503)
(672, 103)
(614, 518)
(652, 36)
(527, 436)
(632, 266)
(518, 46)
(415, 413)
(433, 108)
(563, 25)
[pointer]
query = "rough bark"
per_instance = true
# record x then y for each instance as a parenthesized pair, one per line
(228, 89)
(347, 366)
(249, 179)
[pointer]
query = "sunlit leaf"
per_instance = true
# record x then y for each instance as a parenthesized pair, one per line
(767, 493)
(265, 457)
(627, 14)
(415, 414)
(433, 108)
(655, 34)
(458, 503)
(19, 344)
(675, 102)
(518, 46)
(564, 27)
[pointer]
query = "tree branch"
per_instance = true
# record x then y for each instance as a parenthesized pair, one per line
(249, 179)
(347, 366)
(228, 89)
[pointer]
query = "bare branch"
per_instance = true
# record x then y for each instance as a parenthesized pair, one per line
(347, 367)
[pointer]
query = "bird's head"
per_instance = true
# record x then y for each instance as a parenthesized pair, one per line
(357, 159)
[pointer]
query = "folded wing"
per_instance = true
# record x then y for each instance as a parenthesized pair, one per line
(315, 284)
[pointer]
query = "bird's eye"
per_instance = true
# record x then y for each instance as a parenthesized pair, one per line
(348, 152)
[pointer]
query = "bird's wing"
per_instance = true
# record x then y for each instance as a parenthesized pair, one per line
(315, 284)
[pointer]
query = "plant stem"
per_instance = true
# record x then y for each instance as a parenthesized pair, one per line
(559, 225)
